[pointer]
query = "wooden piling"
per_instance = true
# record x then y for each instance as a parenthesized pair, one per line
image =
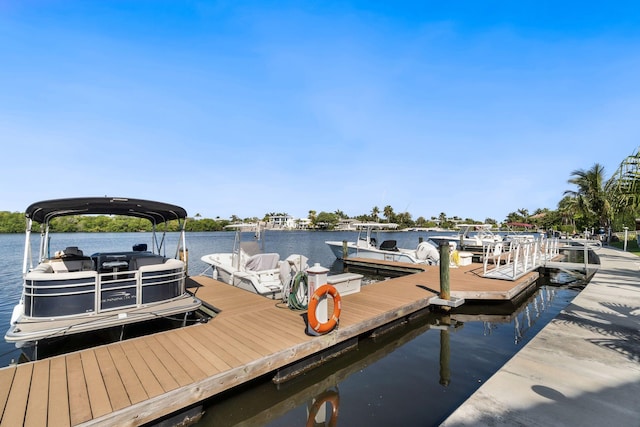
(445, 280)
(345, 250)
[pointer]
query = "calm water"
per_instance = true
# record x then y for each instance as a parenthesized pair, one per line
(416, 375)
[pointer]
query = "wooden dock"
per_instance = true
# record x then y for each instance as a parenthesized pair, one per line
(133, 382)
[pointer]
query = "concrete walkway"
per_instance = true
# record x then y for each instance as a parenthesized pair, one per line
(582, 369)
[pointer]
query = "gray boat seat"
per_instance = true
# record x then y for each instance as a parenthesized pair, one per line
(70, 259)
(139, 261)
(260, 262)
(62, 265)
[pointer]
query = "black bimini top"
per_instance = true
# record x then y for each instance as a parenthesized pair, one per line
(156, 212)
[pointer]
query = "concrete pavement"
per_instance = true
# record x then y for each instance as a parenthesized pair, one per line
(582, 369)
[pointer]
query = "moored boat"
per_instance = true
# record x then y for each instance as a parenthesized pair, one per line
(251, 269)
(471, 237)
(66, 291)
(366, 246)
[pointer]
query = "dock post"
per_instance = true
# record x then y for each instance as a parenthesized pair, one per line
(345, 250)
(420, 239)
(317, 277)
(445, 280)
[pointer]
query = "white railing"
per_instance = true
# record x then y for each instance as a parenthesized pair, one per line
(511, 260)
(577, 245)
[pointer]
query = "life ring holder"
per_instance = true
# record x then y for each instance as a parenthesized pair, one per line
(327, 326)
(330, 396)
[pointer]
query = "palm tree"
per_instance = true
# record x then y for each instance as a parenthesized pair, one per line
(442, 218)
(591, 197)
(624, 190)
(388, 212)
(524, 214)
(312, 218)
(568, 208)
(375, 212)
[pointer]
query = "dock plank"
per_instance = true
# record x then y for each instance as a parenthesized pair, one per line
(116, 390)
(58, 394)
(160, 372)
(287, 335)
(6, 381)
(96, 388)
(229, 358)
(195, 352)
(132, 384)
(212, 356)
(172, 365)
(228, 340)
(255, 340)
(38, 395)
(147, 378)
(15, 409)
(79, 405)
(185, 359)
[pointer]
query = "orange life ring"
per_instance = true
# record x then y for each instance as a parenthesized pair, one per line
(313, 304)
(328, 396)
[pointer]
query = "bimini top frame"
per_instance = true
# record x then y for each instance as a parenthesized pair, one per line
(156, 212)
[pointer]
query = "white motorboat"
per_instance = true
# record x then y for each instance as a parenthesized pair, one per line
(366, 246)
(471, 237)
(247, 267)
(69, 292)
(513, 236)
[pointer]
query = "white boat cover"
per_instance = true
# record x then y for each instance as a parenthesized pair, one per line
(262, 262)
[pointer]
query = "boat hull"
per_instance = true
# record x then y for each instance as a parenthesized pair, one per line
(29, 329)
(267, 283)
(402, 255)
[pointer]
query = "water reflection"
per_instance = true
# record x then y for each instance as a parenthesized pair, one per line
(264, 401)
(404, 367)
(522, 317)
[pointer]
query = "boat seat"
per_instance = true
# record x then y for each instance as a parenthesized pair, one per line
(139, 261)
(44, 267)
(389, 245)
(69, 252)
(65, 265)
(262, 262)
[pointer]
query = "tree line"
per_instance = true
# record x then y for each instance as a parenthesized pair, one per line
(594, 201)
(14, 222)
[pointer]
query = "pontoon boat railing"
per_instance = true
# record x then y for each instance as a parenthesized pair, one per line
(90, 292)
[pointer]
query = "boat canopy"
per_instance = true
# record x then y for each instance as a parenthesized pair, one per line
(156, 212)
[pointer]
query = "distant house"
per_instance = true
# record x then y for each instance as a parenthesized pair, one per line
(346, 224)
(281, 222)
(303, 223)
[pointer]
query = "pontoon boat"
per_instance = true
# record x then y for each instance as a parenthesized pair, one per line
(66, 292)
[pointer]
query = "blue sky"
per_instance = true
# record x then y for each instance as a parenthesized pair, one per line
(471, 108)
